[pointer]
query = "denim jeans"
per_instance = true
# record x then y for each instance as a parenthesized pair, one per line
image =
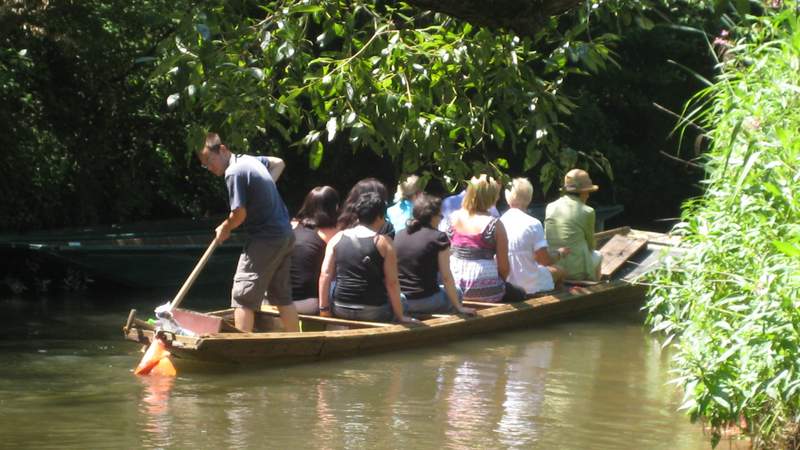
(363, 312)
(434, 304)
(367, 313)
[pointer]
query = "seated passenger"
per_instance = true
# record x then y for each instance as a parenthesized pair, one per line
(422, 253)
(399, 213)
(479, 246)
(348, 217)
(314, 226)
(364, 265)
(569, 224)
(451, 204)
(530, 264)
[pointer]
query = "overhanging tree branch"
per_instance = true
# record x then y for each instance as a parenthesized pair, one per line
(523, 17)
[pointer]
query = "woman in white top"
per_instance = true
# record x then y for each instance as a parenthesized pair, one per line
(530, 264)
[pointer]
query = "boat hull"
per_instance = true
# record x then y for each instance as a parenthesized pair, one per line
(283, 348)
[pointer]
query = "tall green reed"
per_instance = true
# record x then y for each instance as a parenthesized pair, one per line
(732, 300)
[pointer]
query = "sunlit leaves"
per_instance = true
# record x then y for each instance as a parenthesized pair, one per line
(391, 79)
(315, 156)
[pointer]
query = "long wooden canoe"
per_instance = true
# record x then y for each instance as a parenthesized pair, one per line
(324, 338)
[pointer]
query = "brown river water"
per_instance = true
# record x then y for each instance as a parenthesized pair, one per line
(596, 382)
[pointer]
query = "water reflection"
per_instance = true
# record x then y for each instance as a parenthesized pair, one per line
(598, 383)
(325, 416)
(565, 387)
(155, 405)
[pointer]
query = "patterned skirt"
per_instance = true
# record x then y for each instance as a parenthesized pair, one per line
(478, 279)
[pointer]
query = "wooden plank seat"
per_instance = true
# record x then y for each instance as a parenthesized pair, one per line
(428, 316)
(273, 311)
(581, 282)
(479, 305)
(484, 305)
(343, 322)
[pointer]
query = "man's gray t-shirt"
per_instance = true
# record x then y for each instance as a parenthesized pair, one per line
(251, 186)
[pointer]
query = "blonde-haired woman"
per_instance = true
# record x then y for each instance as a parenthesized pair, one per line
(479, 246)
(530, 265)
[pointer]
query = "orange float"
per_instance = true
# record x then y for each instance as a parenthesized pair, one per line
(156, 360)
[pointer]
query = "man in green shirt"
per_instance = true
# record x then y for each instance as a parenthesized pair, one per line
(569, 227)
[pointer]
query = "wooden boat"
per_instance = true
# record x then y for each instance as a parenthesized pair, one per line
(324, 338)
(151, 254)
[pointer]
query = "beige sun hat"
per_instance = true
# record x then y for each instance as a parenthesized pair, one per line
(577, 180)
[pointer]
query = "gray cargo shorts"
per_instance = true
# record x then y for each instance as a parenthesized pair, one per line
(263, 271)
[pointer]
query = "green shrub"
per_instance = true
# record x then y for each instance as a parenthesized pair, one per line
(733, 300)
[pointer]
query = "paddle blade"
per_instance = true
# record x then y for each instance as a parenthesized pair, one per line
(156, 352)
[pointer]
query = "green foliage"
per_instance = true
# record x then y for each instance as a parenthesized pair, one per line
(100, 95)
(434, 94)
(616, 118)
(86, 139)
(732, 299)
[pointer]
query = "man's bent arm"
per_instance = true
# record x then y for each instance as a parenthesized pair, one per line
(234, 220)
(276, 166)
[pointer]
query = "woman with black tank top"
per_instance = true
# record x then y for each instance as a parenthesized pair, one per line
(314, 226)
(364, 265)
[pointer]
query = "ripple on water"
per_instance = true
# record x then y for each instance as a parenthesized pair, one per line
(598, 383)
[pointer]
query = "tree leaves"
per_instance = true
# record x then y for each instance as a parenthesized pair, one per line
(330, 127)
(400, 80)
(315, 156)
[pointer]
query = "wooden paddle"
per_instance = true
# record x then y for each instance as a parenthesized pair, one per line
(193, 276)
(157, 354)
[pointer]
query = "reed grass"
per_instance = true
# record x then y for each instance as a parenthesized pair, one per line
(730, 305)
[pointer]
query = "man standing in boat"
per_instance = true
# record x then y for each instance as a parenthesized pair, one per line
(257, 207)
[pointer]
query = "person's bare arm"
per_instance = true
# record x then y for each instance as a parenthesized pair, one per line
(390, 277)
(503, 267)
(326, 274)
(542, 256)
(449, 284)
(234, 220)
(276, 166)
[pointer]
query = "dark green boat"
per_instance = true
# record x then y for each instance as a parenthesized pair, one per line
(152, 254)
(148, 254)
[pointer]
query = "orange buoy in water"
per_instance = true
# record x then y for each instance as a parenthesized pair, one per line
(164, 368)
(153, 357)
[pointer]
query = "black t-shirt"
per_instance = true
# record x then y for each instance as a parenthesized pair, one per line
(307, 255)
(417, 260)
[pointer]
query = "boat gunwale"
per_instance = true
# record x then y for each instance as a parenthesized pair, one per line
(501, 309)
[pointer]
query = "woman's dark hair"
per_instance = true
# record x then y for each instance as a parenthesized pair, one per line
(320, 208)
(348, 217)
(369, 207)
(426, 207)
